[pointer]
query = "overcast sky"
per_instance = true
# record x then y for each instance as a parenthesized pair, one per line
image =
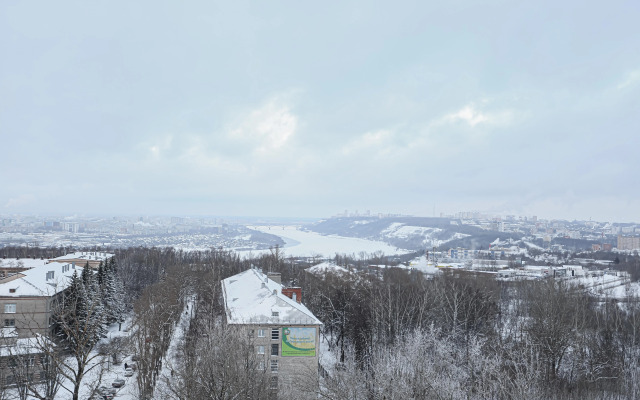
(309, 108)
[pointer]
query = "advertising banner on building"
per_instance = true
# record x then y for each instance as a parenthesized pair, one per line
(298, 342)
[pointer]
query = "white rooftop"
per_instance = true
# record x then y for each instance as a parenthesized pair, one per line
(25, 346)
(252, 298)
(8, 263)
(42, 280)
(84, 255)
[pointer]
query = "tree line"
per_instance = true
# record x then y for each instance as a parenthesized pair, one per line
(391, 333)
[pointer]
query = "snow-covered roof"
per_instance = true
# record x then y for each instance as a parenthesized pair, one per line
(43, 280)
(25, 346)
(8, 332)
(21, 263)
(250, 297)
(83, 255)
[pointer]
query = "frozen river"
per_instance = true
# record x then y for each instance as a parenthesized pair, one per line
(300, 243)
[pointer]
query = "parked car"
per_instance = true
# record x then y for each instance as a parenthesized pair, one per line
(106, 390)
(104, 393)
(98, 396)
(128, 372)
(118, 383)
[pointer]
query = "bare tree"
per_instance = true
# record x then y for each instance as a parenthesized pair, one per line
(551, 327)
(220, 365)
(78, 322)
(156, 313)
(35, 366)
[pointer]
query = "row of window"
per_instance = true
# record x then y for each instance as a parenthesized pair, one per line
(275, 349)
(274, 365)
(275, 333)
(11, 380)
(12, 362)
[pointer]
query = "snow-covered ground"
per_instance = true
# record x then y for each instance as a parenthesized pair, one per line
(427, 235)
(609, 286)
(327, 267)
(299, 243)
(170, 364)
(105, 374)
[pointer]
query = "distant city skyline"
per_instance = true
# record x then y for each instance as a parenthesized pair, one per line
(478, 215)
(302, 110)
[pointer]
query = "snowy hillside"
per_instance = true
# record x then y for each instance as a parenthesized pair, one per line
(413, 233)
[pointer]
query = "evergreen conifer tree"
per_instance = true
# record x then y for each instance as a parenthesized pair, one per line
(100, 274)
(113, 294)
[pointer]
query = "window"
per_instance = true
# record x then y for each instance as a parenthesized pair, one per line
(274, 365)
(274, 349)
(10, 308)
(274, 382)
(275, 334)
(9, 322)
(261, 333)
(251, 333)
(260, 365)
(275, 314)
(260, 349)
(43, 375)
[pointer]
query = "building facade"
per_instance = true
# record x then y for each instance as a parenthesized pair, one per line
(285, 334)
(26, 297)
(628, 242)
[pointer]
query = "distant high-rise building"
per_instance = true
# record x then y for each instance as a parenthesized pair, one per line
(628, 242)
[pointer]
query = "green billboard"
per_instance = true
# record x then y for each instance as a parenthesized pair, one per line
(298, 342)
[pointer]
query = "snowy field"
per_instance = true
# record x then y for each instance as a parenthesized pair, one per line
(299, 243)
(609, 286)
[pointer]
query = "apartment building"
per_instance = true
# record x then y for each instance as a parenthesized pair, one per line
(628, 242)
(284, 332)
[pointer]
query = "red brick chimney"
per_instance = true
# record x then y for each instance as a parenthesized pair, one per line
(294, 293)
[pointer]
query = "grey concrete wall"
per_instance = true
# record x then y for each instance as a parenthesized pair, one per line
(31, 316)
(297, 376)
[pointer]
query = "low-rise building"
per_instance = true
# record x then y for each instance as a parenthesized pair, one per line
(81, 258)
(25, 297)
(285, 333)
(23, 359)
(10, 266)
